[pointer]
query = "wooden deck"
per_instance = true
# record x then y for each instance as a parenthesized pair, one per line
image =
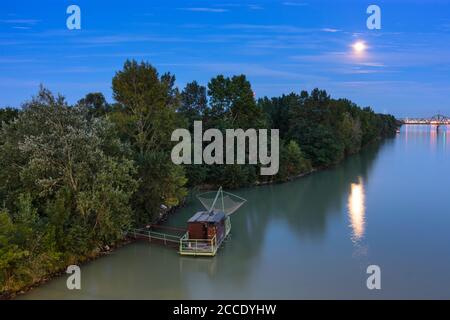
(168, 236)
(202, 247)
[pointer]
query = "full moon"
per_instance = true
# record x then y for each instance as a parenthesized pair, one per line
(359, 47)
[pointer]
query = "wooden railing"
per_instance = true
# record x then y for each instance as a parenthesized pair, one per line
(198, 247)
(157, 236)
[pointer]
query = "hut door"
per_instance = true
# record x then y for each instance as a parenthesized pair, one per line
(211, 231)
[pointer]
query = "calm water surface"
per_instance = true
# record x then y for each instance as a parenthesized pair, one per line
(311, 238)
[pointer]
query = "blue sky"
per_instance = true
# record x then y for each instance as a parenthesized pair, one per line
(282, 46)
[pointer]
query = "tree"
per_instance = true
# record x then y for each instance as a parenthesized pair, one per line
(146, 117)
(148, 103)
(7, 115)
(351, 133)
(11, 255)
(232, 104)
(292, 161)
(278, 111)
(95, 103)
(312, 125)
(193, 103)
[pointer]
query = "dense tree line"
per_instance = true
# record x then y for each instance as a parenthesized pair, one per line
(73, 179)
(316, 131)
(326, 129)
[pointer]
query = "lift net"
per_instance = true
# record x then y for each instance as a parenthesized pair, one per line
(221, 201)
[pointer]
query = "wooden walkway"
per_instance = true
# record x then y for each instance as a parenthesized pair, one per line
(168, 236)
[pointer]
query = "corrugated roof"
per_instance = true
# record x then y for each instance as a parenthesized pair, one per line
(195, 217)
(205, 216)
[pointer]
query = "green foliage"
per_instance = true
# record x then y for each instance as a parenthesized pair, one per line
(232, 176)
(292, 162)
(147, 103)
(95, 104)
(161, 183)
(147, 116)
(7, 115)
(232, 104)
(193, 103)
(65, 193)
(326, 129)
(11, 255)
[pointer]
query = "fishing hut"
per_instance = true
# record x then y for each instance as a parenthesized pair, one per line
(206, 230)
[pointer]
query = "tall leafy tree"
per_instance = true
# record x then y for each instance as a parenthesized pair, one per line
(146, 115)
(292, 161)
(232, 103)
(95, 103)
(194, 103)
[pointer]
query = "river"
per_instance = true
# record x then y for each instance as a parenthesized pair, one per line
(309, 238)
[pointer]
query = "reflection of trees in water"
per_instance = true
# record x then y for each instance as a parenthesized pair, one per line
(305, 205)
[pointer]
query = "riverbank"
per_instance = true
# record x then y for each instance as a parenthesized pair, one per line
(95, 255)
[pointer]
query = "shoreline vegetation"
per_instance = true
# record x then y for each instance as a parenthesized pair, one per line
(75, 178)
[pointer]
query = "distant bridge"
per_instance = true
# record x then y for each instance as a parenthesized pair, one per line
(439, 120)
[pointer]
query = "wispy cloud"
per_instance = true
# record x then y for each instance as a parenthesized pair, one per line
(444, 27)
(20, 21)
(20, 24)
(344, 63)
(18, 83)
(261, 27)
(205, 9)
(255, 7)
(194, 26)
(357, 70)
(294, 4)
(15, 60)
(113, 55)
(332, 30)
(124, 38)
(77, 69)
(373, 64)
(251, 6)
